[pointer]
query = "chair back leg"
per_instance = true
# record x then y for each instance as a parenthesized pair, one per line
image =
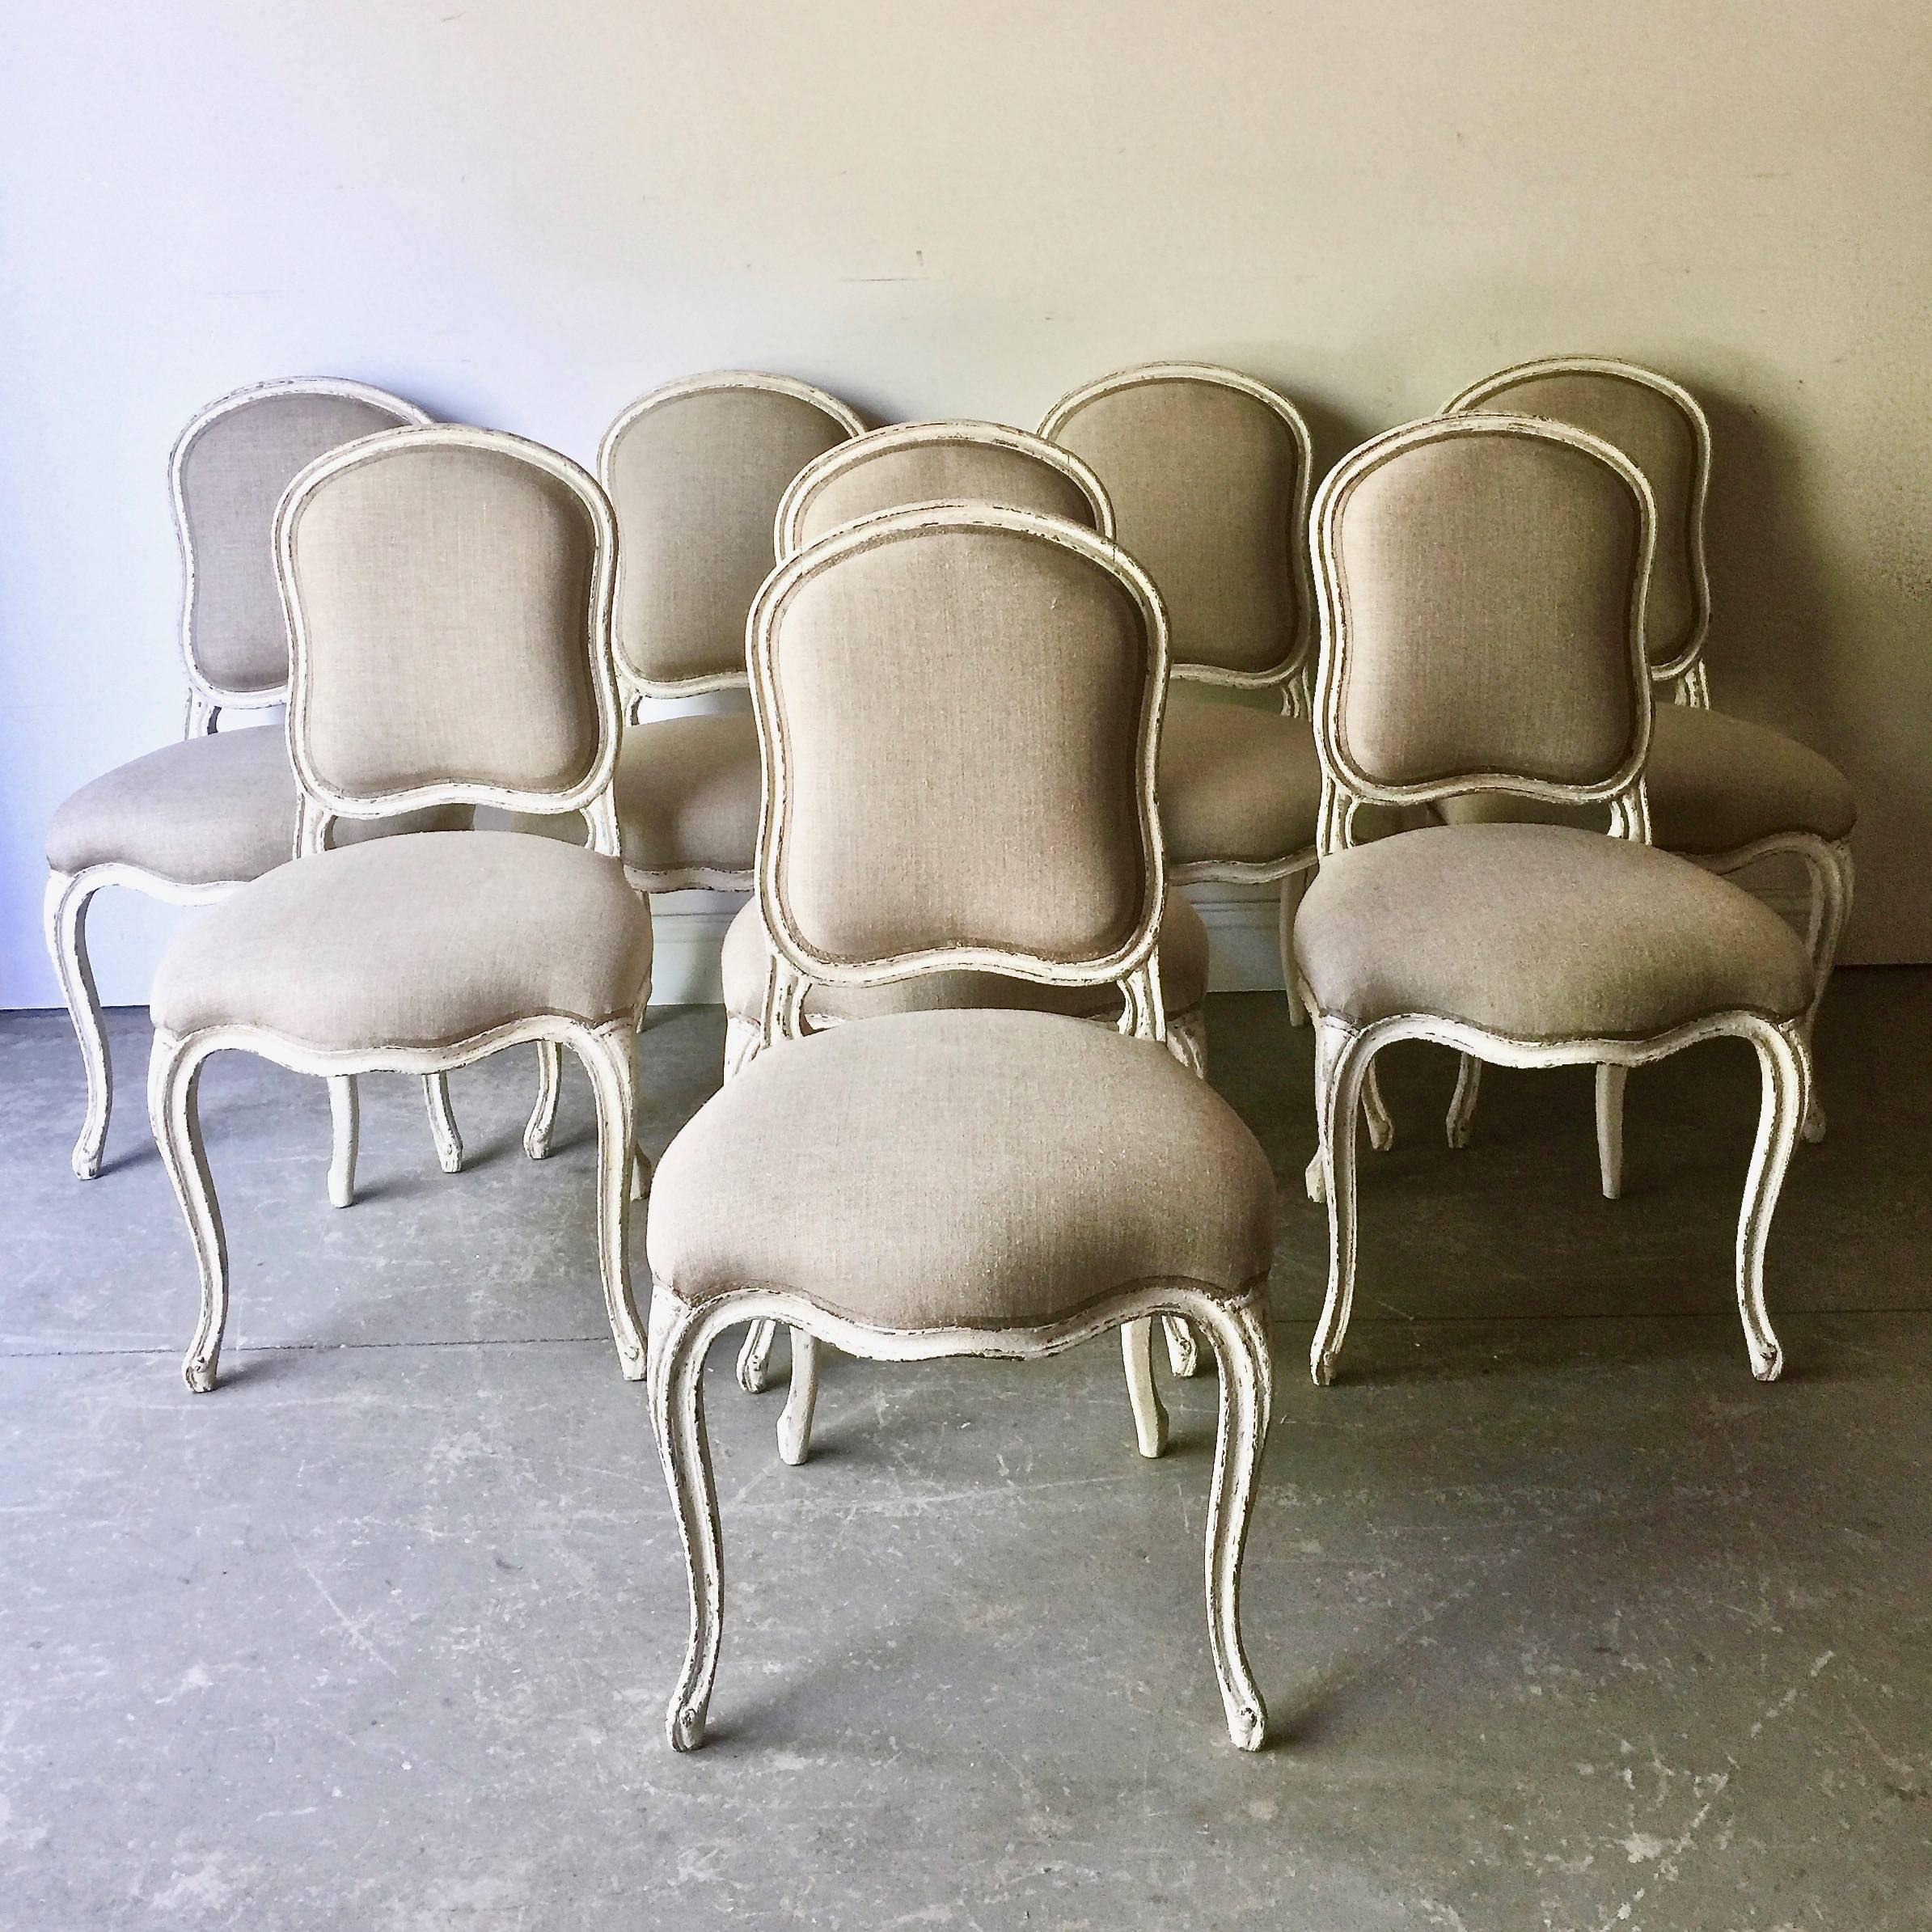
(345, 1138)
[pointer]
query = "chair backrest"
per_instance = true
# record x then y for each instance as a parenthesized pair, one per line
(227, 471)
(958, 707)
(448, 593)
(694, 472)
(1207, 471)
(1660, 427)
(938, 463)
(1482, 579)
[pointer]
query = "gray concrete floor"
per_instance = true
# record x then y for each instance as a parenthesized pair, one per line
(1563, 1621)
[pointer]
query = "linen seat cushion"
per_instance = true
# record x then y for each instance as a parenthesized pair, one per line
(1716, 783)
(1542, 932)
(746, 960)
(961, 1170)
(1235, 783)
(687, 792)
(420, 941)
(204, 812)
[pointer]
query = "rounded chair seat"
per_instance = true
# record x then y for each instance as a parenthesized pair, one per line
(1542, 932)
(1237, 784)
(968, 1169)
(1716, 784)
(747, 958)
(421, 940)
(687, 793)
(205, 811)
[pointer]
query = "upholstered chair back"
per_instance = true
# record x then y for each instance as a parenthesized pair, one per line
(1207, 471)
(938, 463)
(695, 471)
(228, 468)
(1483, 581)
(958, 706)
(1660, 427)
(449, 600)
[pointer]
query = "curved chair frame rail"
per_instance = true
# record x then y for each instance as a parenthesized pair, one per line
(1827, 862)
(607, 1051)
(1684, 674)
(1134, 967)
(1290, 675)
(634, 688)
(69, 894)
(1236, 1331)
(787, 541)
(206, 698)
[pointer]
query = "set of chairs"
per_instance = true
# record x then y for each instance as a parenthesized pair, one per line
(963, 1109)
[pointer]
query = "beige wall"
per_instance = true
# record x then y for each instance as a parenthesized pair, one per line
(526, 214)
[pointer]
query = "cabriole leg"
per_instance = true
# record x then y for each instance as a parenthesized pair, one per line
(1610, 1082)
(677, 1398)
(1830, 870)
(1150, 1417)
(1183, 1351)
(795, 1422)
(542, 1123)
(608, 1060)
(1292, 888)
(754, 1358)
(345, 1137)
(1784, 1064)
(1240, 1339)
(1349, 1061)
(67, 899)
(1462, 1102)
(174, 1112)
(442, 1122)
(1374, 1112)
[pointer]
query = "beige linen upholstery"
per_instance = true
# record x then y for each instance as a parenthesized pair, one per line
(1542, 932)
(1236, 783)
(687, 792)
(436, 585)
(1716, 783)
(1474, 579)
(203, 811)
(838, 1167)
(416, 941)
(938, 463)
(694, 472)
(230, 468)
(920, 636)
(1207, 473)
(747, 958)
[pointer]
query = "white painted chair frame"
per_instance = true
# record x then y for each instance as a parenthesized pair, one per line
(69, 894)
(607, 1052)
(1236, 1330)
(634, 688)
(1186, 1034)
(1344, 1055)
(1827, 862)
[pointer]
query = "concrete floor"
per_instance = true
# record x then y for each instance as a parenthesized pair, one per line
(1563, 1621)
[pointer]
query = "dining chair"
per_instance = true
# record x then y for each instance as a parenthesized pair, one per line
(1483, 580)
(895, 468)
(448, 593)
(960, 706)
(1209, 472)
(694, 472)
(189, 823)
(1724, 791)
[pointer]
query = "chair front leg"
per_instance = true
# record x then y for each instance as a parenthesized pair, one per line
(1344, 1066)
(174, 1112)
(1829, 868)
(442, 1122)
(676, 1400)
(542, 1123)
(1240, 1340)
(1784, 1060)
(68, 895)
(608, 1056)
(345, 1138)
(1137, 1357)
(1292, 887)
(1611, 1080)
